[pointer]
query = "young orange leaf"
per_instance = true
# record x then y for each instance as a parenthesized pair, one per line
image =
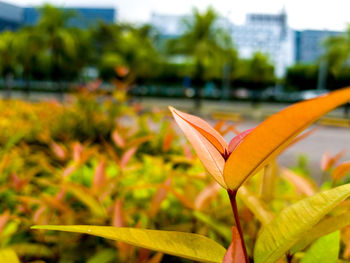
(127, 156)
(202, 127)
(99, 176)
(118, 140)
(209, 155)
(158, 198)
(340, 171)
(328, 161)
(268, 139)
(234, 253)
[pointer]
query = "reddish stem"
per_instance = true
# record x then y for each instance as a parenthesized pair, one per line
(232, 195)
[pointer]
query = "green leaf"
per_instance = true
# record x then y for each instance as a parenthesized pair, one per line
(324, 250)
(325, 227)
(290, 225)
(222, 229)
(8, 255)
(186, 245)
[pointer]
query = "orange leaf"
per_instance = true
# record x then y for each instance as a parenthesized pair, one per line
(158, 198)
(127, 156)
(202, 127)
(100, 175)
(209, 155)
(328, 161)
(268, 139)
(234, 253)
(118, 140)
(168, 139)
(340, 171)
(58, 150)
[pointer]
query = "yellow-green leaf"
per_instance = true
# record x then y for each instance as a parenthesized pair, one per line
(290, 225)
(255, 205)
(324, 250)
(181, 244)
(268, 139)
(324, 227)
(8, 255)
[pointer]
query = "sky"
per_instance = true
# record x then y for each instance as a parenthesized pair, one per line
(302, 14)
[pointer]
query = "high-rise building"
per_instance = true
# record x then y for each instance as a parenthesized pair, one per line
(82, 17)
(309, 44)
(268, 34)
(10, 16)
(13, 17)
(265, 33)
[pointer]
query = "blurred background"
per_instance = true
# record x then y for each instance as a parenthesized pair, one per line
(86, 136)
(252, 51)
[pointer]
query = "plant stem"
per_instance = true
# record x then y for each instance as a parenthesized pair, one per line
(232, 195)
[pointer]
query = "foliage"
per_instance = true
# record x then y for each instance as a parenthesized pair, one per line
(271, 230)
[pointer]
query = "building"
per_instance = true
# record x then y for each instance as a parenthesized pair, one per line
(309, 44)
(268, 34)
(265, 33)
(13, 17)
(10, 16)
(82, 17)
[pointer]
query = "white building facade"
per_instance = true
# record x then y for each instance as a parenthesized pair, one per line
(268, 34)
(265, 33)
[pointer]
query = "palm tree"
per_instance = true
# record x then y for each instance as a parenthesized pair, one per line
(60, 42)
(28, 45)
(128, 46)
(206, 45)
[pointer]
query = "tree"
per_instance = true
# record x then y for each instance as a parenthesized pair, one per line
(205, 45)
(337, 52)
(128, 46)
(256, 73)
(301, 77)
(9, 61)
(62, 43)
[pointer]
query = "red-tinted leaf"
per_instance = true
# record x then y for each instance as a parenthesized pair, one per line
(127, 156)
(234, 253)
(328, 161)
(117, 139)
(158, 198)
(58, 150)
(206, 195)
(99, 176)
(238, 139)
(168, 139)
(210, 157)
(202, 127)
(340, 171)
(4, 218)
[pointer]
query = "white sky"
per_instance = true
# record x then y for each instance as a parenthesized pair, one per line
(302, 14)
